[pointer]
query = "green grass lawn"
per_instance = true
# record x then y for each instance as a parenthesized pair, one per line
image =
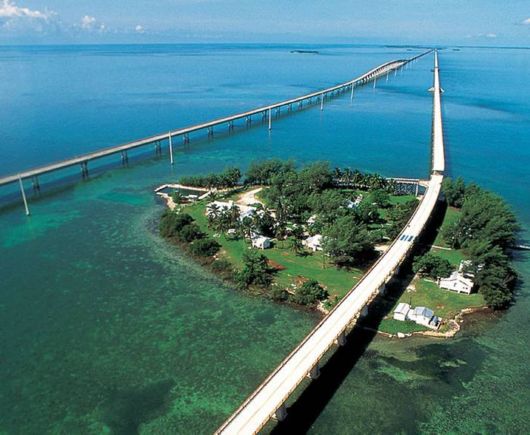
(451, 215)
(391, 326)
(454, 256)
(312, 266)
(445, 304)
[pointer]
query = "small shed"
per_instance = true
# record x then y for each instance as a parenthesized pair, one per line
(401, 312)
(422, 316)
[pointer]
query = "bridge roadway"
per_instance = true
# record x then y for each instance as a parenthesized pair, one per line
(269, 398)
(82, 160)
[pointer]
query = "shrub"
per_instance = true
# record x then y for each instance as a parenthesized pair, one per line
(309, 293)
(204, 247)
(279, 294)
(190, 232)
(223, 268)
(172, 222)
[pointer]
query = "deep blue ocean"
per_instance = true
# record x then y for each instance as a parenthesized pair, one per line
(105, 328)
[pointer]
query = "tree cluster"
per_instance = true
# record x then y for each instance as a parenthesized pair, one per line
(486, 229)
(228, 178)
(309, 293)
(432, 265)
(256, 270)
(364, 181)
(181, 226)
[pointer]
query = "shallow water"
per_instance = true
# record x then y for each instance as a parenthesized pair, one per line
(105, 327)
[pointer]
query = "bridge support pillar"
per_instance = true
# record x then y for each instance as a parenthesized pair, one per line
(158, 148)
(170, 141)
(315, 372)
(23, 193)
(281, 413)
(270, 119)
(186, 138)
(375, 82)
(210, 131)
(341, 339)
(84, 169)
(124, 158)
(230, 126)
(248, 120)
(35, 184)
(364, 311)
(322, 102)
(382, 289)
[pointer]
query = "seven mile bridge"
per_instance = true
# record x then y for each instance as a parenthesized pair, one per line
(264, 112)
(268, 400)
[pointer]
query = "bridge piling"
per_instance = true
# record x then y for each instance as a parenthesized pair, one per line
(23, 195)
(270, 119)
(170, 148)
(124, 158)
(315, 372)
(322, 102)
(281, 413)
(35, 184)
(84, 169)
(341, 339)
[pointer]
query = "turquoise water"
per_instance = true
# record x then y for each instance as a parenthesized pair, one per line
(106, 328)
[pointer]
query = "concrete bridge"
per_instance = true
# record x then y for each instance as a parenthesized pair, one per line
(265, 113)
(268, 400)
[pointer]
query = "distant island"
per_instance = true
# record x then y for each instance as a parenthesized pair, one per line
(305, 51)
(306, 237)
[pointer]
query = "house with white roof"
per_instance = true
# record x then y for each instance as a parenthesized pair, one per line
(401, 312)
(355, 203)
(421, 315)
(261, 242)
(314, 243)
(459, 281)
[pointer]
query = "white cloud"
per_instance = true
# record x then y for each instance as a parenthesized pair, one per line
(139, 29)
(88, 22)
(10, 10)
(491, 35)
(526, 22)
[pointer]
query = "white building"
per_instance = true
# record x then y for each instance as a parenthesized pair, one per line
(425, 317)
(459, 281)
(261, 242)
(401, 312)
(249, 212)
(421, 315)
(355, 203)
(314, 243)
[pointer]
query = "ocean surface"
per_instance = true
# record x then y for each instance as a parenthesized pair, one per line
(105, 328)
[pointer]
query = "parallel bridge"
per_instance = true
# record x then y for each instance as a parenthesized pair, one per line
(265, 112)
(268, 400)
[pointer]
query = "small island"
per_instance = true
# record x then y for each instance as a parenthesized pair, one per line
(305, 236)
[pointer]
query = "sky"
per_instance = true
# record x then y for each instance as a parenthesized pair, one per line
(433, 22)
